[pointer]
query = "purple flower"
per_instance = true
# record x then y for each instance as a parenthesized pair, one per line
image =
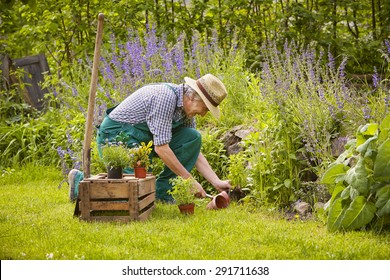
(331, 64)
(375, 78)
(387, 43)
(178, 57)
(366, 112)
(342, 68)
(61, 152)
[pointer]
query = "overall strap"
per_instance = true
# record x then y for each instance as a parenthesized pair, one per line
(171, 87)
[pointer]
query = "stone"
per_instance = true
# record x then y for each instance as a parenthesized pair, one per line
(233, 137)
(302, 207)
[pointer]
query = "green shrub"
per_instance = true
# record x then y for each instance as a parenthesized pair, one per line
(359, 180)
(238, 175)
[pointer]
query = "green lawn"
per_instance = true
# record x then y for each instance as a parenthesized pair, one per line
(37, 222)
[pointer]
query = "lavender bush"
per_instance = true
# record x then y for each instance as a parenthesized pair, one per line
(306, 109)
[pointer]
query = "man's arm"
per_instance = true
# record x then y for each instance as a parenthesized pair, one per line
(171, 161)
(207, 172)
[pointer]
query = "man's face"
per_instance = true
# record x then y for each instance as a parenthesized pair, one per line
(193, 107)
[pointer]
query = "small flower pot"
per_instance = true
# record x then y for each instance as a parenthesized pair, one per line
(140, 172)
(187, 209)
(219, 201)
(114, 173)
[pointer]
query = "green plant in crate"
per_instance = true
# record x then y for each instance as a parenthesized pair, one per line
(140, 155)
(116, 155)
(359, 181)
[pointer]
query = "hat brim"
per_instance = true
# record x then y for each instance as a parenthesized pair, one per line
(214, 110)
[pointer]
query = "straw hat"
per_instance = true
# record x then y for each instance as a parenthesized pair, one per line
(211, 90)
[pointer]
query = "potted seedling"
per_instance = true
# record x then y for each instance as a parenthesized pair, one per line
(183, 194)
(140, 161)
(115, 157)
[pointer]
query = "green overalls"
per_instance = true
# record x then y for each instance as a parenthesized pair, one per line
(185, 144)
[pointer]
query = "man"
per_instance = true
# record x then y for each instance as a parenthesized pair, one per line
(165, 114)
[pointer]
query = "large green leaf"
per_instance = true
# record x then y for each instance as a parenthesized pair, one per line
(365, 132)
(383, 201)
(346, 192)
(385, 124)
(369, 129)
(349, 192)
(383, 135)
(357, 177)
(334, 172)
(363, 147)
(358, 214)
(336, 214)
(382, 162)
(339, 188)
(348, 153)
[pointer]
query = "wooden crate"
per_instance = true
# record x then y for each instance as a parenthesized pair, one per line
(127, 199)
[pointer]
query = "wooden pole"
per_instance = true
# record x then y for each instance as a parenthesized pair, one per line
(91, 100)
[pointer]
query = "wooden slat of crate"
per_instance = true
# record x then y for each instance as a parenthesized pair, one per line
(100, 190)
(110, 205)
(145, 187)
(146, 201)
(123, 219)
(133, 203)
(146, 214)
(134, 197)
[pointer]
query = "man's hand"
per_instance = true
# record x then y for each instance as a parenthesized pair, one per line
(223, 185)
(199, 191)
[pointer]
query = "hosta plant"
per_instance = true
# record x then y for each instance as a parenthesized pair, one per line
(359, 181)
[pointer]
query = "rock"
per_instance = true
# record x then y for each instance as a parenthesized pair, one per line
(234, 149)
(338, 145)
(242, 133)
(302, 207)
(233, 137)
(319, 205)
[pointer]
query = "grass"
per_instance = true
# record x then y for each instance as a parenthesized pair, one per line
(37, 223)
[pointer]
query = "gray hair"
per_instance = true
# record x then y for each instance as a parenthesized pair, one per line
(190, 92)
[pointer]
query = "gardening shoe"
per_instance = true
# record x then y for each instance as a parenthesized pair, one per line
(74, 178)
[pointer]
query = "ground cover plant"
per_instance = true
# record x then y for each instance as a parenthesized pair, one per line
(37, 223)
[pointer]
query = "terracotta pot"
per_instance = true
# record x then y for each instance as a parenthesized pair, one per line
(114, 173)
(187, 208)
(219, 201)
(140, 172)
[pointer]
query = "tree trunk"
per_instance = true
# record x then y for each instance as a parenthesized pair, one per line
(334, 17)
(373, 20)
(173, 12)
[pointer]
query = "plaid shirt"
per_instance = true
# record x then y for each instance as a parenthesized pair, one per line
(157, 105)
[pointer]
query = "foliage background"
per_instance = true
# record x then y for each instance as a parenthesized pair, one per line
(64, 29)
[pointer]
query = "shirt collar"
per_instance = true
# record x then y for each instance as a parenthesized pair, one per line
(180, 93)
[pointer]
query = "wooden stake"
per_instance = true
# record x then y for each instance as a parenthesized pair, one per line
(91, 100)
